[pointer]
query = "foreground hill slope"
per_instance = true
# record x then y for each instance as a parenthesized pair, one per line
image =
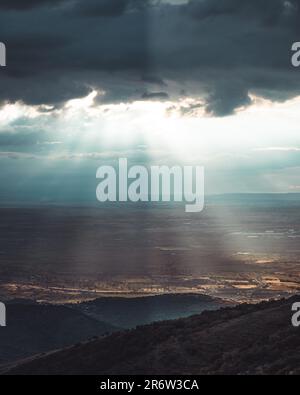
(246, 339)
(35, 328)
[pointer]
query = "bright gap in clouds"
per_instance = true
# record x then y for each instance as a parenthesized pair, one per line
(162, 126)
(260, 142)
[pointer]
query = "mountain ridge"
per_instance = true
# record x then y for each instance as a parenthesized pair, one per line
(246, 339)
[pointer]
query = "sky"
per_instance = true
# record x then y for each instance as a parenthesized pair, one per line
(206, 82)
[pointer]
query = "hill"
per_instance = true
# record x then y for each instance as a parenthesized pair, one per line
(248, 339)
(34, 328)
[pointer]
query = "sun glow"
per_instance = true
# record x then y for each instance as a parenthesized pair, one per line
(178, 129)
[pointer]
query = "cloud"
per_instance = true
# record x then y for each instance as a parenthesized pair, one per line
(279, 149)
(155, 96)
(27, 4)
(186, 108)
(20, 138)
(216, 51)
(227, 97)
(108, 8)
(16, 155)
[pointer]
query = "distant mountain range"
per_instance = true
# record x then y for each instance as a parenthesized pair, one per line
(247, 339)
(34, 328)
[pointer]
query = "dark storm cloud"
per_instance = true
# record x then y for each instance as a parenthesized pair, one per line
(152, 79)
(267, 9)
(226, 97)
(155, 96)
(217, 50)
(26, 4)
(108, 7)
